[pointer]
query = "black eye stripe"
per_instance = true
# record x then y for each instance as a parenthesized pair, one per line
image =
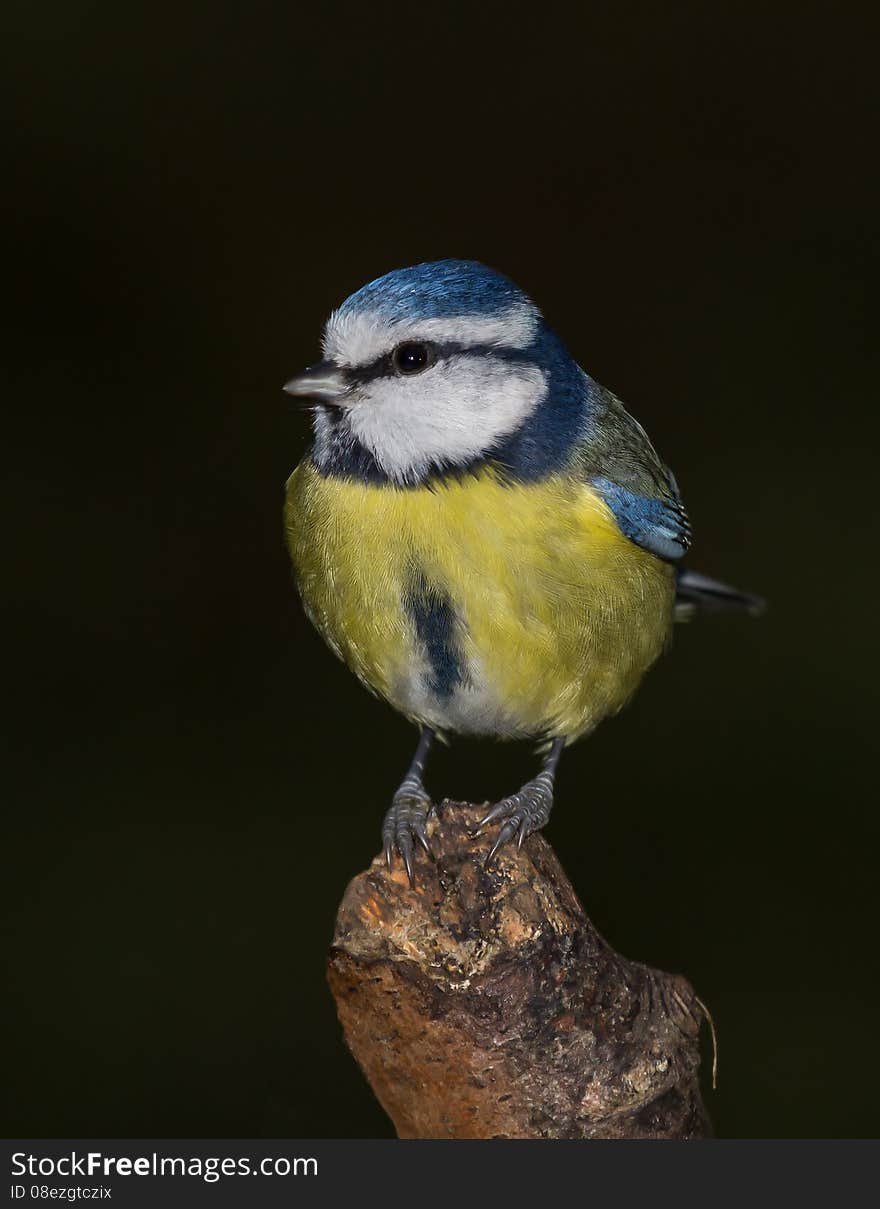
(383, 367)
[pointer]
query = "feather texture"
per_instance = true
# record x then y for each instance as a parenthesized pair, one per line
(619, 460)
(538, 616)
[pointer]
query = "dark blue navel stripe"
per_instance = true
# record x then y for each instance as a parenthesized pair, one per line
(435, 624)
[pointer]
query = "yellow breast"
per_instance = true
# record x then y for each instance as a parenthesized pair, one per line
(554, 615)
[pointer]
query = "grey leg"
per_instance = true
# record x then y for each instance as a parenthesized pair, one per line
(529, 809)
(405, 821)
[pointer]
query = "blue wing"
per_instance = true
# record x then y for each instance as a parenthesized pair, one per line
(620, 463)
(658, 524)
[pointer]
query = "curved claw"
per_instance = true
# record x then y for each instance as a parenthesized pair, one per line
(506, 832)
(501, 810)
(421, 835)
(522, 813)
(405, 848)
(404, 825)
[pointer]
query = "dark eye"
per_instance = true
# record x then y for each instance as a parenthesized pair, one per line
(411, 358)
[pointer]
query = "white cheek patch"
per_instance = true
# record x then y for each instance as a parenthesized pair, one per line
(360, 338)
(449, 415)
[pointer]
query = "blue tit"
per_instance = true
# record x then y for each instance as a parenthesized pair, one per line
(481, 531)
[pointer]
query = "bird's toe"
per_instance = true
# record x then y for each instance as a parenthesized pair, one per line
(520, 815)
(405, 826)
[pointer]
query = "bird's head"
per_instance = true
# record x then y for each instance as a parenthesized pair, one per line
(430, 368)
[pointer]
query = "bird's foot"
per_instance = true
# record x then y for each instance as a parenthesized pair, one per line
(406, 823)
(521, 814)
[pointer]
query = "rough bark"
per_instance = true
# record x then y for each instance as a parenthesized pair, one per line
(483, 1003)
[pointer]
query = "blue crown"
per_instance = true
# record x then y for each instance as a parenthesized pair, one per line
(439, 289)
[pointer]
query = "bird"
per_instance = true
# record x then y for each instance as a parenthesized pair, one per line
(481, 531)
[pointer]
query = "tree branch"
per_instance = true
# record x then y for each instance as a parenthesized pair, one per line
(484, 1004)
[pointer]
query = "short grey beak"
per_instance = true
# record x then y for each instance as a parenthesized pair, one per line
(324, 382)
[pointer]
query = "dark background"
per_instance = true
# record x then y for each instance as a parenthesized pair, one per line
(192, 777)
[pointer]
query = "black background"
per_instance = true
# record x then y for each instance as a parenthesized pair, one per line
(685, 190)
